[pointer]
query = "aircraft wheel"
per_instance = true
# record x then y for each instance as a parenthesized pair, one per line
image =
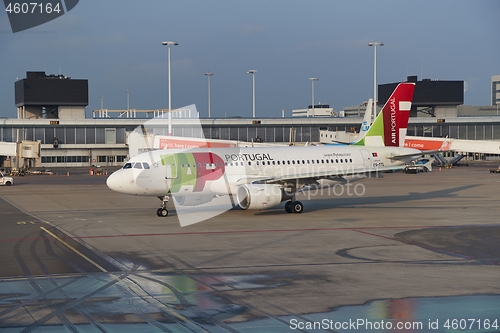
(288, 207)
(162, 212)
(297, 207)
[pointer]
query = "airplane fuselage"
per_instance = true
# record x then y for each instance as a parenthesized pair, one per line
(221, 171)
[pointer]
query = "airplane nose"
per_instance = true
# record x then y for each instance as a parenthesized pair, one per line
(115, 181)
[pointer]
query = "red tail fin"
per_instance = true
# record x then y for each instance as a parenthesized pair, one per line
(396, 113)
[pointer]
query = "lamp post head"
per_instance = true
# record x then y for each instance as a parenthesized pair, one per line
(252, 71)
(313, 79)
(375, 44)
(209, 74)
(169, 43)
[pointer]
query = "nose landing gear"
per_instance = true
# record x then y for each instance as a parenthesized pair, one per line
(162, 211)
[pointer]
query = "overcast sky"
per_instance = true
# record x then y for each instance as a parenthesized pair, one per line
(116, 45)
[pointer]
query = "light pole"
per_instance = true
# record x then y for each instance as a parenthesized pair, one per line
(168, 43)
(312, 88)
(128, 99)
(208, 74)
(374, 44)
(102, 102)
(253, 71)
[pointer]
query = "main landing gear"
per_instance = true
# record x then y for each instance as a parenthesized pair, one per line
(162, 211)
(294, 207)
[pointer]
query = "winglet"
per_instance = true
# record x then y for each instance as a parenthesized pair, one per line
(445, 145)
(389, 128)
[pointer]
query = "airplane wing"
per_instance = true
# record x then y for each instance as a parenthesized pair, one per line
(328, 174)
(422, 152)
(444, 147)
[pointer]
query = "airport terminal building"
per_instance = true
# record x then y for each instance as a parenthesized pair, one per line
(51, 109)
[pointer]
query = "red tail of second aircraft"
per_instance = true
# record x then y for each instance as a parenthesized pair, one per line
(389, 128)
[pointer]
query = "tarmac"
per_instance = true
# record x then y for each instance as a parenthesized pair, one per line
(408, 249)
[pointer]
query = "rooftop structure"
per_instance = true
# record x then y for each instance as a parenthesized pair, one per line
(41, 96)
(495, 90)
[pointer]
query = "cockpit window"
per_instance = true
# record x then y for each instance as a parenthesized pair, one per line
(138, 166)
(146, 166)
(127, 166)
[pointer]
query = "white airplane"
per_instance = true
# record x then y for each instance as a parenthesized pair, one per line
(263, 177)
(365, 126)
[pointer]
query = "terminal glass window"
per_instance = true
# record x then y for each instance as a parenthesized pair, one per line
(233, 133)
(252, 133)
(271, 134)
(306, 134)
(214, 133)
(70, 135)
(28, 134)
(454, 131)
(496, 132)
(206, 132)
(80, 135)
(286, 135)
(176, 131)
(60, 134)
(445, 131)
(100, 136)
(280, 134)
(427, 131)
(120, 135)
(197, 132)
(410, 130)
(49, 135)
(158, 131)
(261, 133)
(7, 134)
(488, 132)
(479, 132)
(462, 132)
(90, 135)
(224, 133)
(187, 131)
(39, 134)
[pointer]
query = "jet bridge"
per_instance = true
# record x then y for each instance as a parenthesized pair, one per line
(24, 154)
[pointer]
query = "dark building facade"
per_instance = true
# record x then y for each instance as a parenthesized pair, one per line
(428, 94)
(50, 96)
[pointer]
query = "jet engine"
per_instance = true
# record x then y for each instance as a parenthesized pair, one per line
(259, 196)
(192, 200)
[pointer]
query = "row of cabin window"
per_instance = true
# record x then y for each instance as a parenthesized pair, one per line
(141, 165)
(305, 162)
(213, 165)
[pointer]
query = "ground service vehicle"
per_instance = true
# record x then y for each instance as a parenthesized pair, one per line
(6, 180)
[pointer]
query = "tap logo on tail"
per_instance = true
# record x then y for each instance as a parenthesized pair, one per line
(389, 128)
(396, 114)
